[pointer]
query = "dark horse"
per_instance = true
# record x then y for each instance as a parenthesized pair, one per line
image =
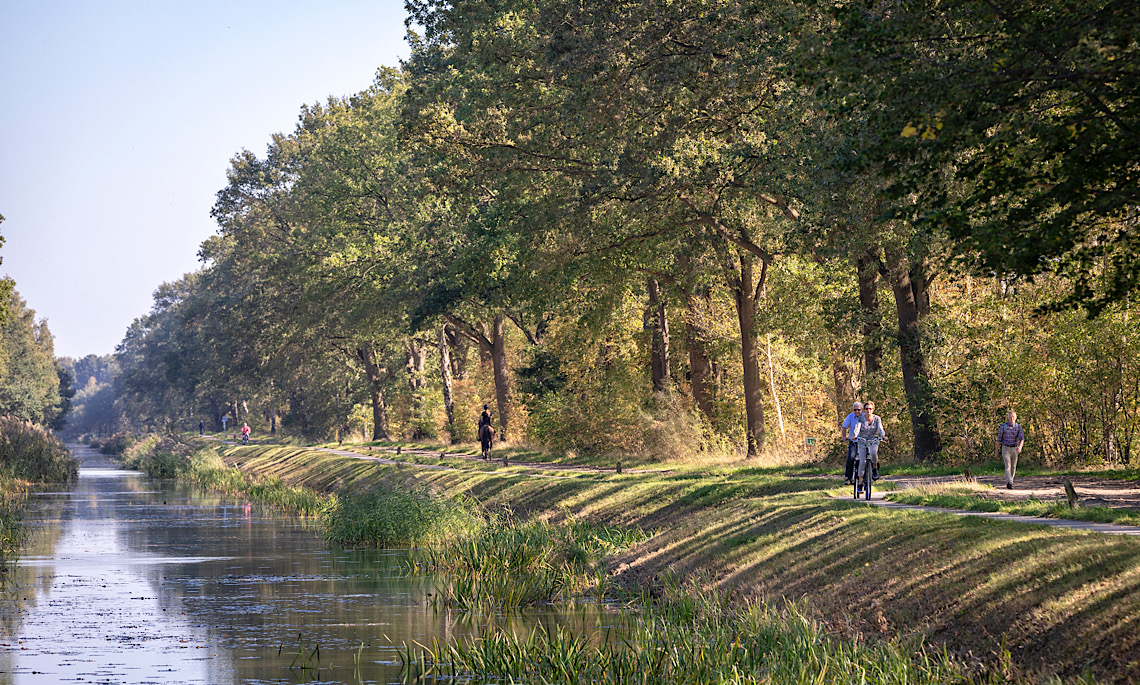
(486, 438)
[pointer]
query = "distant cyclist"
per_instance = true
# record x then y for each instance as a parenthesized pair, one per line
(245, 431)
(868, 433)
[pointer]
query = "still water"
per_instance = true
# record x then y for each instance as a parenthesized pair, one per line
(127, 580)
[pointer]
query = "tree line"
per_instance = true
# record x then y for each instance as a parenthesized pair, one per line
(658, 226)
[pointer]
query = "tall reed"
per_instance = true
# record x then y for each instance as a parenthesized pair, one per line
(724, 642)
(32, 453)
(12, 498)
(506, 565)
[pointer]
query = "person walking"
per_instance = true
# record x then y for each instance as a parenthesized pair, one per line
(847, 434)
(201, 428)
(1010, 440)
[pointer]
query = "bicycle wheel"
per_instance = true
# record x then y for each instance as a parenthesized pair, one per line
(867, 470)
(855, 482)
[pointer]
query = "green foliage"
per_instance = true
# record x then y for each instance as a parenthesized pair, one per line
(29, 379)
(93, 401)
(1011, 126)
(31, 453)
(158, 457)
(118, 444)
(394, 517)
(688, 637)
(507, 565)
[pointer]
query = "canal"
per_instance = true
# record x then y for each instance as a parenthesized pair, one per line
(130, 580)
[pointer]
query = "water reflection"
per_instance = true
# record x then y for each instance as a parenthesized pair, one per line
(127, 581)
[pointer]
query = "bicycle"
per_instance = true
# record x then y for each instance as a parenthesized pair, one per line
(864, 471)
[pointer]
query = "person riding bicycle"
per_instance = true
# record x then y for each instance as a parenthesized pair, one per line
(245, 431)
(868, 433)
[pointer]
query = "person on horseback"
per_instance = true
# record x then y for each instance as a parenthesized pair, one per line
(486, 432)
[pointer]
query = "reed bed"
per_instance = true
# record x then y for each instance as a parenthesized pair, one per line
(31, 453)
(394, 517)
(12, 497)
(695, 639)
(507, 565)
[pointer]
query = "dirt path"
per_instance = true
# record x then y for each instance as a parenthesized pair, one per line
(1106, 528)
(1092, 491)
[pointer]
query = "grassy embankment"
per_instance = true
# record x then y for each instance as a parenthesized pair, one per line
(1061, 601)
(28, 455)
(495, 563)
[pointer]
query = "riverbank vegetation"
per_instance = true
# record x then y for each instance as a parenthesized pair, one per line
(694, 635)
(12, 495)
(1060, 601)
(29, 455)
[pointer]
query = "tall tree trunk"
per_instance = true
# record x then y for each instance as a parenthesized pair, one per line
(657, 324)
(502, 375)
(417, 354)
(459, 344)
(216, 413)
(916, 379)
(920, 280)
(868, 271)
(445, 376)
(746, 295)
(375, 376)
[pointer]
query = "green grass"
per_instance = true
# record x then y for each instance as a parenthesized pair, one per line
(967, 498)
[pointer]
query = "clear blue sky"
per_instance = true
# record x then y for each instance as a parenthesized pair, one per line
(117, 124)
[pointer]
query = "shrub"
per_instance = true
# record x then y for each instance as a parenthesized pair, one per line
(32, 453)
(117, 444)
(158, 457)
(390, 517)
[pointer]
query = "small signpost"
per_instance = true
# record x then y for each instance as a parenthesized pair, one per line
(810, 442)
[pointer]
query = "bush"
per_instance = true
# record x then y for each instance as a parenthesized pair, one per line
(32, 453)
(391, 517)
(164, 457)
(117, 444)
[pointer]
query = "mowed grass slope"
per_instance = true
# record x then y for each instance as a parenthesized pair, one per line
(1060, 601)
